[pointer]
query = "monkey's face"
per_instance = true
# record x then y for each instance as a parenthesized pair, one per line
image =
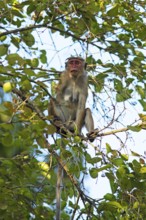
(75, 67)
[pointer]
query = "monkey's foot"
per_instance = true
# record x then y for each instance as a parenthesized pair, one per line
(57, 123)
(61, 128)
(92, 135)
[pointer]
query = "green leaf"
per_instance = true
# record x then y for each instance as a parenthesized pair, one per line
(104, 167)
(51, 129)
(92, 160)
(136, 166)
(41, 141)
(99, 79)
(15, 41)
(6, 112)
(113, 11)
(94, 172)
(123, 95)
(143, 103)
(14, 58)
(34, 62)
(31, 8)
(28, 38)
(125, 157)
(29, 72)
(118, 84)
(95, 160)
(7, 140)
(17, 13)
(115, 204)
(3, 49)
(66, 154)
(136, 205)
(142, 33)
(141, 91)
(3, 206)
(2, 182)
(117, 161)
(109, 196)
(108, 148)
(43, 56)
(129, 81)
(26, 85)
(121, 172)
(134, 128)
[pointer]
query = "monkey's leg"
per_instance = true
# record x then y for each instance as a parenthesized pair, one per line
(58, 191)
(89, 123)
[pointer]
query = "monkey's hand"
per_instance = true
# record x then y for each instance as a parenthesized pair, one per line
(71, 126)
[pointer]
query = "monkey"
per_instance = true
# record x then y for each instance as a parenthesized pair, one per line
(58, 192)
(68, 108)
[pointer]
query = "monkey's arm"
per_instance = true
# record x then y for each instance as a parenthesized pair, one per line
(61, 87)
(82, 85)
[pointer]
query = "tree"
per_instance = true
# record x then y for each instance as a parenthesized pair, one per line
(111, 35)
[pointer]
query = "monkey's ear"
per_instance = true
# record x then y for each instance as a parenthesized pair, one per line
(65, 64)
(85, 66)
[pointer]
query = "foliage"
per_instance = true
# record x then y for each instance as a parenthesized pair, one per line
(111, 34)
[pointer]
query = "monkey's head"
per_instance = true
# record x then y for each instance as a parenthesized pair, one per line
(75, 66)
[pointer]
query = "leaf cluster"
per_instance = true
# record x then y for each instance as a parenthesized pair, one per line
(115, 29)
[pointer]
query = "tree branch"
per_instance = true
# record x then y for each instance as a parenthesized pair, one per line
(96, 132)
(45, 25)
(83, 196)
(29, 103)
(18, 91)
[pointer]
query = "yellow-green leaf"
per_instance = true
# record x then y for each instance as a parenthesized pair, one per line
(143, 170)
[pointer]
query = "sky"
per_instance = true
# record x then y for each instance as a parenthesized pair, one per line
(58, 50)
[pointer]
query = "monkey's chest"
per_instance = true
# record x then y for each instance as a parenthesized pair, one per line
(71, 95)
